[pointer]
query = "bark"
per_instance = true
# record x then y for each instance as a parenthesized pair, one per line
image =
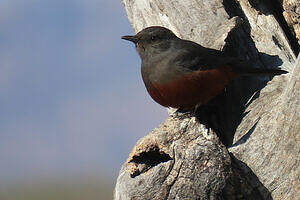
(249, 147)
(292, 16)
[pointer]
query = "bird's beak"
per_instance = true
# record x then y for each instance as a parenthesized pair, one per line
(130, 38)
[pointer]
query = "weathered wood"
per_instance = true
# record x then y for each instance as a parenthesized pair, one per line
(271, 149)
(182, 159)
(292, 16)
(175, 161)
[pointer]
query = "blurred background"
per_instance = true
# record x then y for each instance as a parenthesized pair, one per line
(72, 102)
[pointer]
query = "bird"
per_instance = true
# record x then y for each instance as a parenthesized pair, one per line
(182, 74)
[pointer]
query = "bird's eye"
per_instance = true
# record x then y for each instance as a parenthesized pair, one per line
(153, 38)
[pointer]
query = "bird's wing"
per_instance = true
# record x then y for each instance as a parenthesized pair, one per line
(194, 57)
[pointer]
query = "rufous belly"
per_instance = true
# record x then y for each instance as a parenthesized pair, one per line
(194, 88)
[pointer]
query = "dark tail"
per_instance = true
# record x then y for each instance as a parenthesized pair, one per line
(257, 71)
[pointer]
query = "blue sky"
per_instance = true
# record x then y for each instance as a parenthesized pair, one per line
(71, 95)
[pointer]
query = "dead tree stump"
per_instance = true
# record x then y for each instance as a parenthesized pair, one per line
(251, 149)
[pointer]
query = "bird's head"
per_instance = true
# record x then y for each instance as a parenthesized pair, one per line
(152, 41)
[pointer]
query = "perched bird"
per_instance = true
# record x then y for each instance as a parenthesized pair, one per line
(183, 74)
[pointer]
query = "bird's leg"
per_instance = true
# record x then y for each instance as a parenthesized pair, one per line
(204, 115)
(197, 106)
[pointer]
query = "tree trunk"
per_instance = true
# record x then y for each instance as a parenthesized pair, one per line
(250, 150)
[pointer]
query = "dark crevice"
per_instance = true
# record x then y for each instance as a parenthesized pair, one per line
(278, 10)
(266, 7)
(152, 158)
(275, 8)
(149, 159)
(232, 8)
(276, 42)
